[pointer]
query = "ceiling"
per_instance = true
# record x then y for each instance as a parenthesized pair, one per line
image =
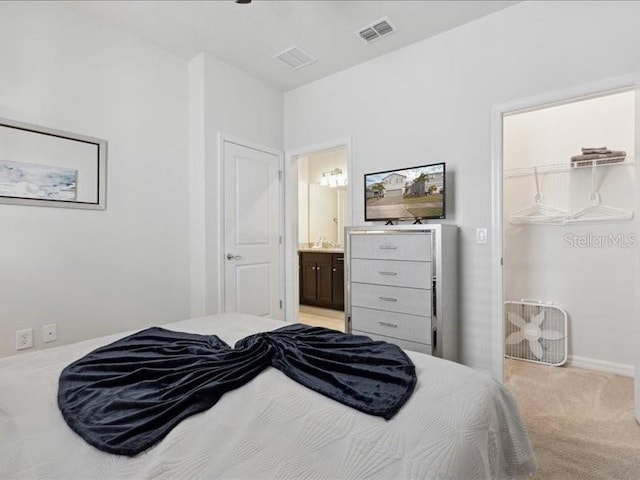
(248, 36)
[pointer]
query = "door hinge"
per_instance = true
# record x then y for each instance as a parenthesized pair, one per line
(280, 304)
(280, 239)
(280, 175)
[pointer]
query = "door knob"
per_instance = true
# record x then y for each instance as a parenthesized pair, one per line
(231, 256)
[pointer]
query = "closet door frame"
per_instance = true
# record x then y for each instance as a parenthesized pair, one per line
(569, 95)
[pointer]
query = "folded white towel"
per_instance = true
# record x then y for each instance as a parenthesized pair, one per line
(597, 156)
(588, 150)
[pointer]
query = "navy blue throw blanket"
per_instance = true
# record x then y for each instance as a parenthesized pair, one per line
(126, 396)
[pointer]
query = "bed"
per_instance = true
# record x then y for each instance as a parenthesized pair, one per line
(459, 424)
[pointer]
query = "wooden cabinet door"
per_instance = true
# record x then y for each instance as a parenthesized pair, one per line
(322, 279)
(338, 284)
(324, 290)
(307, 281)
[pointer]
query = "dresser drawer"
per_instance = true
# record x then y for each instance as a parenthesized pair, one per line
(392, 324)
(393, 299)
(397, 273)
(404, 344)
(402, 246)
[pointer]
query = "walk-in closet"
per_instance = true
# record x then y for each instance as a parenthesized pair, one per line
(570, 246)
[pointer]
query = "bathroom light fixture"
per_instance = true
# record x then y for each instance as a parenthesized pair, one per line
(333, 178)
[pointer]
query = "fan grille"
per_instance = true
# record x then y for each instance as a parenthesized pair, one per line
(554, 352)
(295, 58)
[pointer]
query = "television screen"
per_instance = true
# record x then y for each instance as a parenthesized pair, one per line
(405, 194)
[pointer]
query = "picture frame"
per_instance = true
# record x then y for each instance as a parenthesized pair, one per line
(41, 166)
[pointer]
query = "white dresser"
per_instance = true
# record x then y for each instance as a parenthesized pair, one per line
(401, 286)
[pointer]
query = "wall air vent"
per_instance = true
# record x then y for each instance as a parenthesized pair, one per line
(295, 58)
(376, 30)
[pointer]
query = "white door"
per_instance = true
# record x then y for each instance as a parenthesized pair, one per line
(251, 252)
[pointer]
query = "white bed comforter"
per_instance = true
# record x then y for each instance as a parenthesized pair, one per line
(459, 424)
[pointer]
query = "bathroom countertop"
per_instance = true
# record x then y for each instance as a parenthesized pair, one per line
(321, 250)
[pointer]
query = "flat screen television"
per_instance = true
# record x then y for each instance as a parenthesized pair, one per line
(414, 193)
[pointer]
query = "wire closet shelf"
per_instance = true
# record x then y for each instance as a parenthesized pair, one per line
(593, 212)
(567, 166)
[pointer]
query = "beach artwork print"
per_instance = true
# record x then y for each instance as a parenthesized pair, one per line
(42, 182)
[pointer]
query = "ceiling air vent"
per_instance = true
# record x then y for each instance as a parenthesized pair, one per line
(295, 58)
(376, 30)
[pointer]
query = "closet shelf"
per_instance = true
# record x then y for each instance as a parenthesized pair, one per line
(567, 166)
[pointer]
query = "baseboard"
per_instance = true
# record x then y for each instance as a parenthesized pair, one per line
(601, 365)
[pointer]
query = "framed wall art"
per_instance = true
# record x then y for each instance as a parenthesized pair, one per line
(41, 166)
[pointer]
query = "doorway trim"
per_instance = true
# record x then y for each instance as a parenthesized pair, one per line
(558, 97)
(226, 138)
(292, 294)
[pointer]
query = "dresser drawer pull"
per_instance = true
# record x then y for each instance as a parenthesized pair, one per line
(388, 299)
(387, 324)
(393, 274)
(388, 247)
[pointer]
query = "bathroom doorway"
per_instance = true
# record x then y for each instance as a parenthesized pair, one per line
(323, 212)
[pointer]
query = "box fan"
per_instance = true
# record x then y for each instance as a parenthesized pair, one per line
(535, 332)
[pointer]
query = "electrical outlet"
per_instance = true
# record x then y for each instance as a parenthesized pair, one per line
(24, 339)
(50, 333)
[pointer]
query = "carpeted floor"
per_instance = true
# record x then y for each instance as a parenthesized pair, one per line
(580, 422)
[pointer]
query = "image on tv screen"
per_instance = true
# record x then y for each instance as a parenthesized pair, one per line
(410, 193)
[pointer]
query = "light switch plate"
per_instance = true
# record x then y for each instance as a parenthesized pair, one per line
(481, 236)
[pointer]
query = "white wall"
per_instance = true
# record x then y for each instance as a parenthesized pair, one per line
(437, 98)
(238, 105)
(324, 161)
(95, 272)
(197, 188)
(594, 283)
